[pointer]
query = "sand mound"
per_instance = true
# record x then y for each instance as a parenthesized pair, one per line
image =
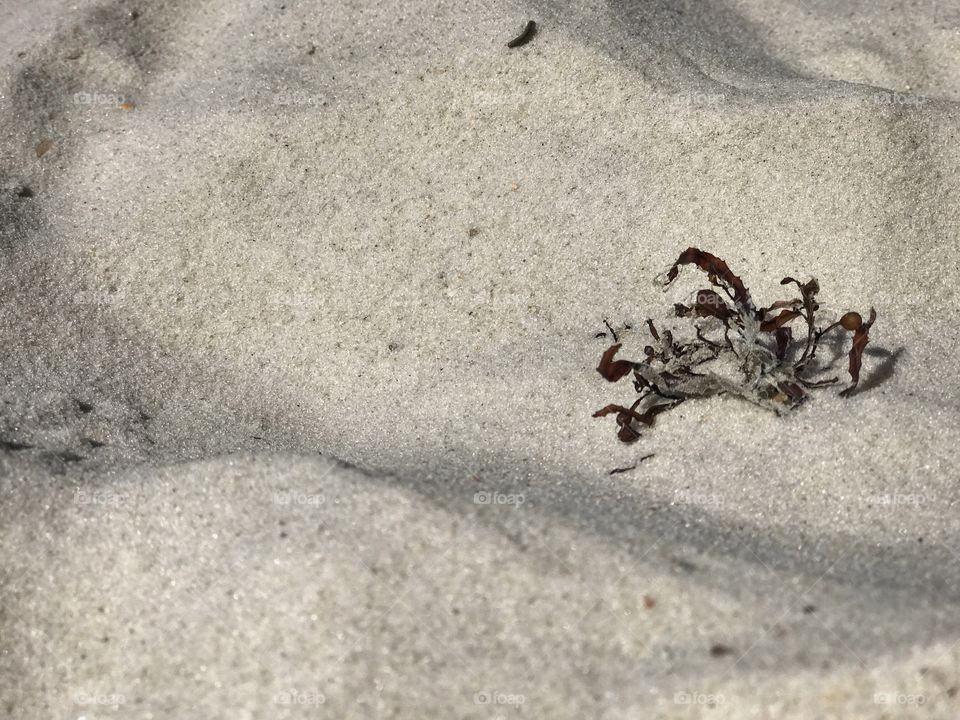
(297, 344)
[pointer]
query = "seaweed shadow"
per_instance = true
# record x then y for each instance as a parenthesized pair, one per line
(884, 371)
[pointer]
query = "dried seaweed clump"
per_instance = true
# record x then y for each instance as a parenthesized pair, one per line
(738, 349)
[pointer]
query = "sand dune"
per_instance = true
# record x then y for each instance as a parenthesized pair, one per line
(299, 329)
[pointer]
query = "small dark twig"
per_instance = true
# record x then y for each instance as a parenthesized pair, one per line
(526, 36)
(617, 471)
(612, 331)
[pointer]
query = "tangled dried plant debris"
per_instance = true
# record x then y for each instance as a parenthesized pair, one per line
(738, 349)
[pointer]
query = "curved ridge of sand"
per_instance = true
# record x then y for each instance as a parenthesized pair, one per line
(369, 232)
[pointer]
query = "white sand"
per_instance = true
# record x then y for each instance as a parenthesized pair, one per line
(256, 293)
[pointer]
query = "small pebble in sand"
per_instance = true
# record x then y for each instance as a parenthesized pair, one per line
(648, 602)
(718, 650)
(127, 106)
(43, 147)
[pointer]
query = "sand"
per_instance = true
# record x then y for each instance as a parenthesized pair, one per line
(298, 344)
